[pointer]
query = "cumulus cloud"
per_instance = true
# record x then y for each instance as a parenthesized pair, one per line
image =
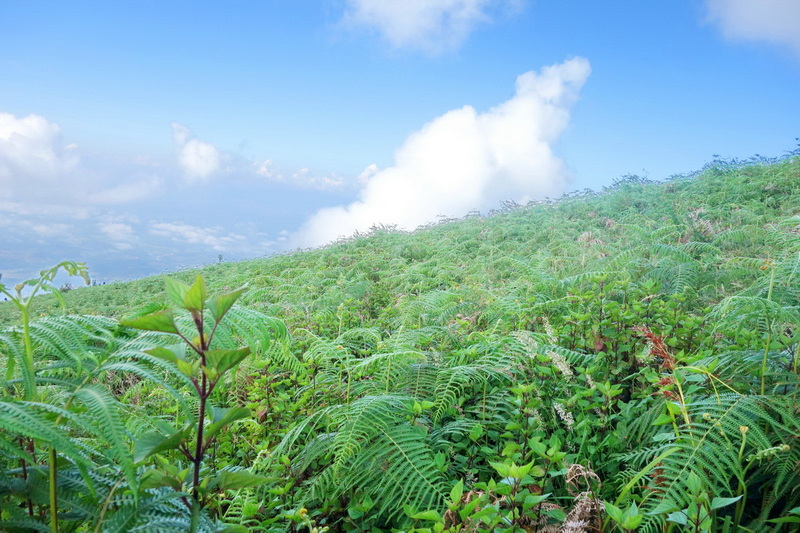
(32, 148)
(198, 159)
(430, 25)
(465, 160)
(773, 21)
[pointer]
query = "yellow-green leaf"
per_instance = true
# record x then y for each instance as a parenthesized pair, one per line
(195, 297)
(222, 304)
(176, 291)
(163, 321)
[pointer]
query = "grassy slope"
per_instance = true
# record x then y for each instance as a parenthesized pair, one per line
(585, 272)
(487, 256)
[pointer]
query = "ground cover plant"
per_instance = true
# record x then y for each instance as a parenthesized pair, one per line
(616, 361)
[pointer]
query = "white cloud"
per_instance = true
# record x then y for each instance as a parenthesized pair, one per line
(31, 148)
(198, 159)
(28, 209)
(465, 160)
(303, 177)
(773, 21)
(366, 174)
(127, 192)
(267, 170)
(195, 235)
(122, 235)
(52, 229)
(430, 25)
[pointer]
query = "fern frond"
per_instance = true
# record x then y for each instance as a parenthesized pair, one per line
(712, 446)
(395, 469)
(105, 416)
(363, 420)
(22, 418)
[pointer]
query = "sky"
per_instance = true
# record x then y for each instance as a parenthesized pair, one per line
(146, 137)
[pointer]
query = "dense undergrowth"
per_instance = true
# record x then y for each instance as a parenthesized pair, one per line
(623, 361)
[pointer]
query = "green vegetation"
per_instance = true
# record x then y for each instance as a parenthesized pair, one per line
(622, 361)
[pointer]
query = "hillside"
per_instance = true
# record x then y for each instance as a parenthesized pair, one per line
(502, 372)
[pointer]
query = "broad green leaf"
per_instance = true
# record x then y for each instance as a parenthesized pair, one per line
(558, 514)
(176, 291)
(165, 354)
(613, 511)
(240, 479)
(226, 415)
(519, 472)
(476, 432)
(631, 518)
(536, 471)
(678, 517)
(457, 492)
(632, 522)
(195, 297)
(694, 483)
(221, 417)
(468, 508)
(220, 305)
(662, 419)
(501, 468)
(674, 408)
(716, 503)
(666, 506)
(186, 368)
(211, 374)
(427, 515)
(153, 479)
(224, 360)
(535, 499)
(155, 442)
(487, 511)
(163, 321)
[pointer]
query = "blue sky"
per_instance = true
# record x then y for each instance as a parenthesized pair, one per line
(143, 137)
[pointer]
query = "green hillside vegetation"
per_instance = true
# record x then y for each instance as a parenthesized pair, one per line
(616, 361)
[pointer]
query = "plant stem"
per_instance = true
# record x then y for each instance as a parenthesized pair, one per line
(198, 450)
(53, 475)
(29, 380)
(203, 393)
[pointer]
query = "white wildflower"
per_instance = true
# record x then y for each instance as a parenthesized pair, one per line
(551, 334)
(560, 362)
(564, 415)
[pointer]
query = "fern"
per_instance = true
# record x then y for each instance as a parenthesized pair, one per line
(106, 421)
(361, 421)
(711, 447)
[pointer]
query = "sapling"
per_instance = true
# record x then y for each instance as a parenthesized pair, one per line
(204, 367)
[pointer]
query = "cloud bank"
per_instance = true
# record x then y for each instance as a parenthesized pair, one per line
(465, 160)
(429, 25)
(773, 21)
